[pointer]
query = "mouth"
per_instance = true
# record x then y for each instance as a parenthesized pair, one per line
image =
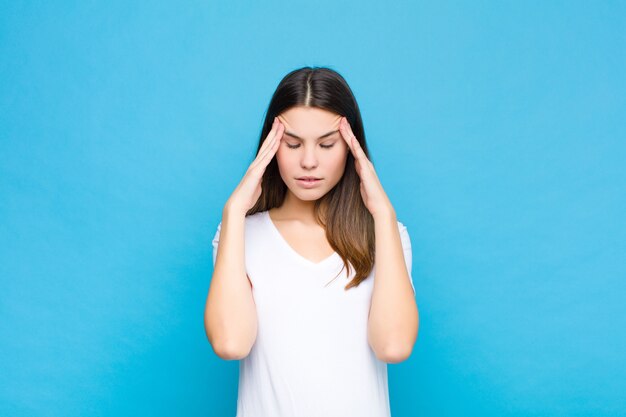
(308, 182)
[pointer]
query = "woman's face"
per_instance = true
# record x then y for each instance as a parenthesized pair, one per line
(311, 146)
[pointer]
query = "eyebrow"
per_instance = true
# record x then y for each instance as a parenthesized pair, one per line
(325, 135)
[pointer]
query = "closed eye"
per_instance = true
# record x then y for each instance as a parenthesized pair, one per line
(298, 145)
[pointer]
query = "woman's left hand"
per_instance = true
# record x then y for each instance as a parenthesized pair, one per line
(372, 192)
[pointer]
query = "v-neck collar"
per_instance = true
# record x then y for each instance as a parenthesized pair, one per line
(289, 248)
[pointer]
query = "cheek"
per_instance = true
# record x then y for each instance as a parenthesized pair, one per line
(341, 155)
(284, 159)
(337, 163)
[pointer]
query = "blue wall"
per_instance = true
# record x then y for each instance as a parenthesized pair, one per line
(497, 129)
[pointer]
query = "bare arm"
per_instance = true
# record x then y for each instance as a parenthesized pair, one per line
(393, 320)
(393, 317)
(230, 319)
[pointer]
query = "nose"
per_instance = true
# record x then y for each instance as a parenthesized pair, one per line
(309, 159)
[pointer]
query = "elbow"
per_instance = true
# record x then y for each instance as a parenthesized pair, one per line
(229, 351)
(394, 353)
(225, 348)
(398, 349)
(229, 346)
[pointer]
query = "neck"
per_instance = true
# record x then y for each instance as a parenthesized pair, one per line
(294, 208)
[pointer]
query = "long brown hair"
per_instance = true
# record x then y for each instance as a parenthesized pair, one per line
(341, 211)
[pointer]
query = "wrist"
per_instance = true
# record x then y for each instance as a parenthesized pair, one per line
(232, 210)
(385, 215)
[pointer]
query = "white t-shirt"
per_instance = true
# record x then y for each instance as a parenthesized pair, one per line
(311, 356)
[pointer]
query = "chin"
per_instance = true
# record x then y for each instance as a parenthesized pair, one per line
(309, 195)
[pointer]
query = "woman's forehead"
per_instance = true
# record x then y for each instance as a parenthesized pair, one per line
(309, 122)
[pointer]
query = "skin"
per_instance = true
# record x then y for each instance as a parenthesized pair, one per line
(300, 153)
(393, 317)
(310, 158)
(230, 315)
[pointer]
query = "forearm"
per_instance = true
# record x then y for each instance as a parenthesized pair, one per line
(393, 319)
(230, 313)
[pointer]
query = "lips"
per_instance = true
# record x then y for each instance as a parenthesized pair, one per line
(308, 178)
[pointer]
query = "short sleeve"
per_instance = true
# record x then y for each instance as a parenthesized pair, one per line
(406, 248)
(216, 240)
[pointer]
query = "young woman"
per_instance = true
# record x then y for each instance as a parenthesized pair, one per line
(311, 341)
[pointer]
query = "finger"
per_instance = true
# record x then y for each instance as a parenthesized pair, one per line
(270, 136)
(356, 148)
(268, 152)
(273, 148)
(268, 142)
(351, 138)
(346, 134)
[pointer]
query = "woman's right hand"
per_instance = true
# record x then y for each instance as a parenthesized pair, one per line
(248, 191)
